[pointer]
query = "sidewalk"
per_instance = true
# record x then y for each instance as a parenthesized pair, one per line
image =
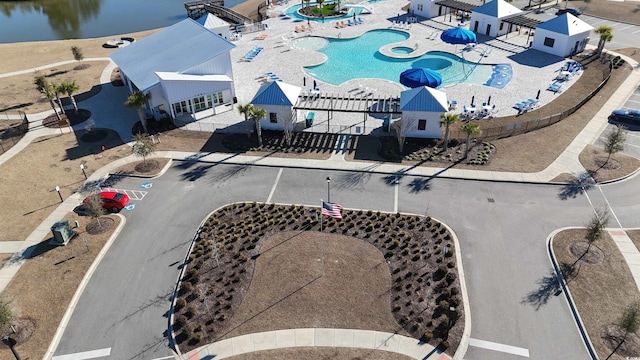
(318, 337)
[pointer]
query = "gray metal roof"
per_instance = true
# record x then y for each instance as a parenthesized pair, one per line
(276, 93)
(423, 99)
(177, 48)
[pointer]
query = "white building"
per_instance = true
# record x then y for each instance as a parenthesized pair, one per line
(216, 25)
(277, 99)
(185, 67)
(562, 36)
(427, 8)
(488, 18)
(421, 108)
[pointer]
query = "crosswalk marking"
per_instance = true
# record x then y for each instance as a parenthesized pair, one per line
(84, 355)
(499, 347)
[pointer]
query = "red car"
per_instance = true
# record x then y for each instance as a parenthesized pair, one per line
(111, 200)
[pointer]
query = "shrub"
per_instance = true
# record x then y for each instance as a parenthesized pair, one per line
(180, 303)
(179, 322)
(190, 312)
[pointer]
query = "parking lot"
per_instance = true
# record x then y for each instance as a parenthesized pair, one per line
(632, 145)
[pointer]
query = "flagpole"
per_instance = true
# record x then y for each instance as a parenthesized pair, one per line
(321, 239)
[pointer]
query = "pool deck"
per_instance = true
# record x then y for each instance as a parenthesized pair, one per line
(532, 70)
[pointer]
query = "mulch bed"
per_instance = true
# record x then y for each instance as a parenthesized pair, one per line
(71, 117)
(151, 165)
(420, 151)
(579, 250)
(218, 301)
(99, 226)
(20, 330)
(613, 335)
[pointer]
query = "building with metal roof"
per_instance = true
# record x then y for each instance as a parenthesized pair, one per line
(489, 18)
(278, 100)
(563, 36)
(185, 67)
(216, 25)
(421, 108)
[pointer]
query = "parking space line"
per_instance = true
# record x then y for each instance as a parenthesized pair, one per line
(499, 347)
(133, 194)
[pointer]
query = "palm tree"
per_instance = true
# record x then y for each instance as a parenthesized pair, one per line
(68, 88)
(447, 120)
(606, 35)
(246, 111)
(46, 88)
(57, 90)
(138, 101)
(470, 129)
(257, 115)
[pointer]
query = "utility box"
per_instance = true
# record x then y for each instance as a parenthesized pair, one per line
(62, 233)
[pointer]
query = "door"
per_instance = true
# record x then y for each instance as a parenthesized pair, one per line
(488, 29)
(475, 27)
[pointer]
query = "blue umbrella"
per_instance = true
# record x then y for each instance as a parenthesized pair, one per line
(458, 35)
(417, 77)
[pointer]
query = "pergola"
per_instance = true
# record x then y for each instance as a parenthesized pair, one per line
(522, 21)
(457, 5)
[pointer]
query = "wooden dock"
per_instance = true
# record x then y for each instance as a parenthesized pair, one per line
(196, 9)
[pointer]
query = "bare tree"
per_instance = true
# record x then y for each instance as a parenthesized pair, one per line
(596, 226)
(614, 142)
(143, 146)
(629, 322)
(403, 127)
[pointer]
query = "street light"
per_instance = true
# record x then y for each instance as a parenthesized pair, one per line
(10, 342)
(328, 189)
(58, 190)
(83, 173)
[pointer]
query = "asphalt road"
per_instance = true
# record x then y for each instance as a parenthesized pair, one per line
(502, 229)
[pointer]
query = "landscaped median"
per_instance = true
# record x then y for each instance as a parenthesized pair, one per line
(257, 267)
(600, 286)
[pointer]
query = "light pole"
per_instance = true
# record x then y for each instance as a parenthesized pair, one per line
(83, 173)
(328, 189)
(58, 190)
(10, 342)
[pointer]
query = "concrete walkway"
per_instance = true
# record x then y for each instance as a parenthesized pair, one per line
(318, 337)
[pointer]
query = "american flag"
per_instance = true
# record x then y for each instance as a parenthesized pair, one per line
(331, 209)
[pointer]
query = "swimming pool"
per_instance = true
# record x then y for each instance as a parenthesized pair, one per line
(293, 13)
(344, 64)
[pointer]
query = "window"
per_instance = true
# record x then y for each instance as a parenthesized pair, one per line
(217, 98)
(420, 7)
(273, 118)
(199, 104)
(501, 26)
(422, 124)
(180, 107)
(549, 41)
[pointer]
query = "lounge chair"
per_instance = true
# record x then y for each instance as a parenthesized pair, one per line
(297, 29)
(393, 24)
(453, 105)
(303, 28)
(310, 26)
(360, 21)
(343, 24)
(261, 36)
(555, 87)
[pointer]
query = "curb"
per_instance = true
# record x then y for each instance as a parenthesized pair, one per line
(565, 288)
(83, 283)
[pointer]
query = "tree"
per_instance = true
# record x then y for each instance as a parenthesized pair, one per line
(595, 227)
(143, 146)
(447, 120)
(47, 89)
(606, 35)
(629, 322)
(68, 88)
(77, 53)
(93, 208)
(138, 101)
(470, 129)
(57, 89)
(246, 111)
(614, 141)
(403, 127)
(257, 115)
